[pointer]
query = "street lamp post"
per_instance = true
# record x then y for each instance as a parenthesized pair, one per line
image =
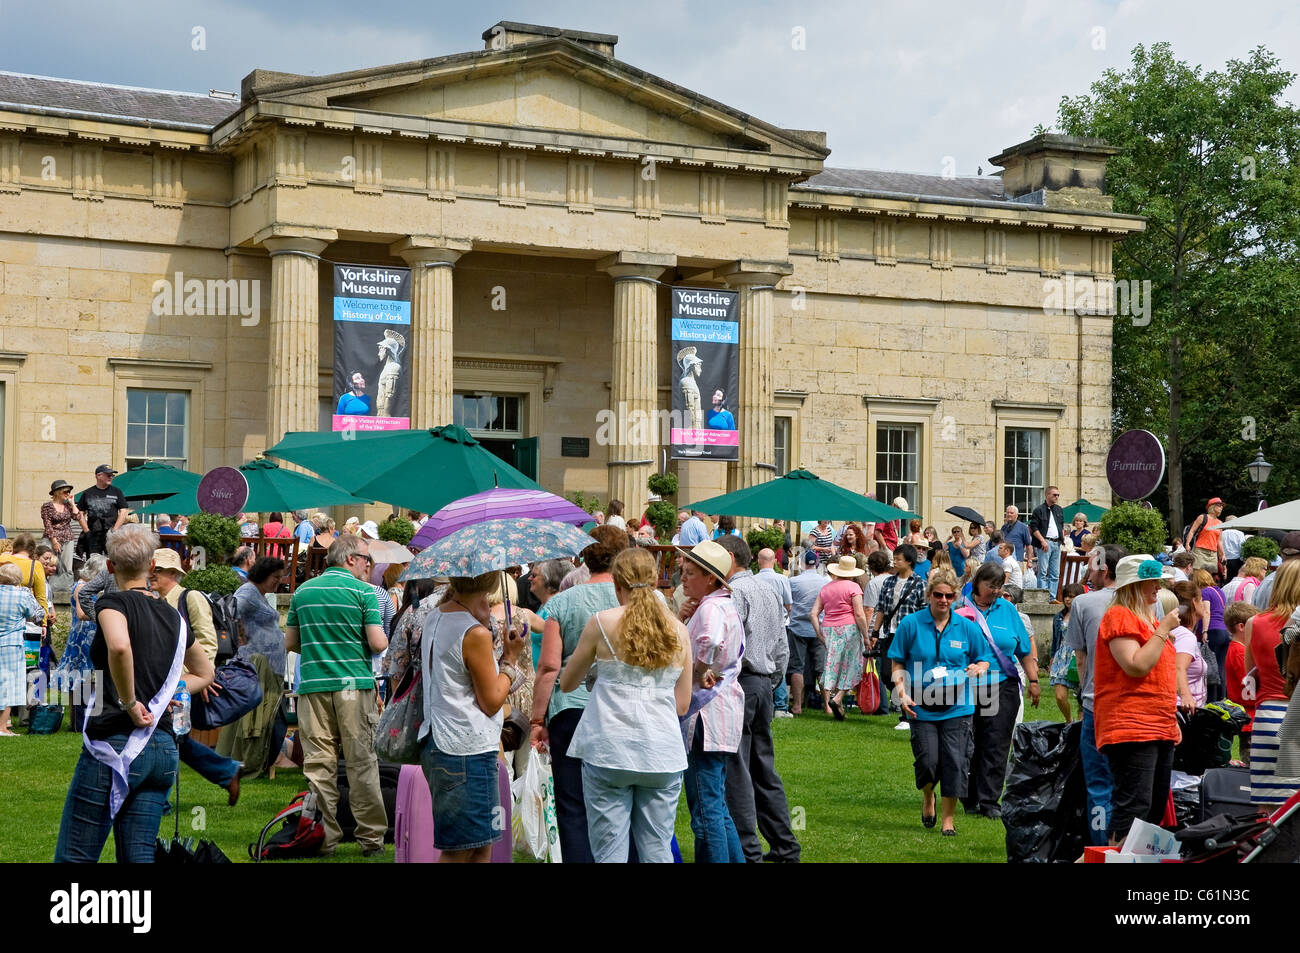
(1259, 470)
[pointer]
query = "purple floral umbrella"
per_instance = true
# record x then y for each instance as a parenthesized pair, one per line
(496, 545)
(498, 504)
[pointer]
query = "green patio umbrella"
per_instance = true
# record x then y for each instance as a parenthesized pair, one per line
(415, 469)
(152, 479)
(1091, 511)
(270, 489)
(801, 495)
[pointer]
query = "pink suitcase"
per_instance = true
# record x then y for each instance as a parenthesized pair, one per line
(413, 820)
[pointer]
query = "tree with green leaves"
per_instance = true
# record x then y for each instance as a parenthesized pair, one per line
(1212, 160)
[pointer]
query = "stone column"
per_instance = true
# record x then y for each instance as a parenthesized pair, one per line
(756, 281)
(293, 358)
(634, 387)
(431, 260)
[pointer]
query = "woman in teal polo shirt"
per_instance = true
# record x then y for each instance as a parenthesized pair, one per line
(1000, 690)
(935, 654)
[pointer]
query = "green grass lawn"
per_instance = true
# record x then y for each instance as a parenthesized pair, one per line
(849, 785)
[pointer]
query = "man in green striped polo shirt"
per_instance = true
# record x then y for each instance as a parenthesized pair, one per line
(334, 623)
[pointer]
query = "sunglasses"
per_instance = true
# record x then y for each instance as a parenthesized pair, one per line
(945, 596)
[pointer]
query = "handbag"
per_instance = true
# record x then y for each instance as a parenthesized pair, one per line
(240, 692)
(1212, 674)
(45, 719)
(397, 736)
(868, 691)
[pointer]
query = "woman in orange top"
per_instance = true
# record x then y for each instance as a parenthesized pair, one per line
(1263, 632)
(1134, 686)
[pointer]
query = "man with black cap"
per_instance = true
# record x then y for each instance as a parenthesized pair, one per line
(103, 509)
(755, 794)
(1290, 550)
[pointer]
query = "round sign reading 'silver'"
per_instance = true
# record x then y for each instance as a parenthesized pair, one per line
(223, 490)
(1135, 465)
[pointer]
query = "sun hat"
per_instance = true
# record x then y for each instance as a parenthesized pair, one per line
(900, 502)
(370, 529)
(1140, 568)
(846, 567)
(710, 557)
(165, 558)
(58, 485)
(1216, 501)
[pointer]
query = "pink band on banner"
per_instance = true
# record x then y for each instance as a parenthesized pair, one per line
(708, 438)
(366, 424)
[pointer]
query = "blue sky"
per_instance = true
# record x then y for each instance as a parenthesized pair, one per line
(895, 85)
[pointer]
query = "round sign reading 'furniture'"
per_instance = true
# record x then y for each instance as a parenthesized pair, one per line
(224, 491)
(1135, 465)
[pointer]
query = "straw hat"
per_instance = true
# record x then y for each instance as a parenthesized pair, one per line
(710, 557)
(165, 558)
(1140, 568)
(846, 567)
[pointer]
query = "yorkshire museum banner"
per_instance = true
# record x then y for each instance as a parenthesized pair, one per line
(706, 379)
(372, 333)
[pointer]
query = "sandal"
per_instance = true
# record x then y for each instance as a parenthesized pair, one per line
(837, 710)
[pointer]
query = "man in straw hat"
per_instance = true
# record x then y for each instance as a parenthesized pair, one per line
(715, 722)
(755, 794)
(166, 581)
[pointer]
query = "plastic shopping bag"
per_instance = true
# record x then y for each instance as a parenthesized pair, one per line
(534, 827)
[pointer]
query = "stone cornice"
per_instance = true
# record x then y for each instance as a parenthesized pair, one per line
(1020, 406)
(975, 211)
(265, 113)
(47, 121)
(153, 363)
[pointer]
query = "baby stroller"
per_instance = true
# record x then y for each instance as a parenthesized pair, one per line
(1247, 838)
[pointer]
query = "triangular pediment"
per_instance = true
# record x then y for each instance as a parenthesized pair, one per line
(553, 85)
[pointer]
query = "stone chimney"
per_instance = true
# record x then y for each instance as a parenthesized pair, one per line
(1057, 172)
(507, 33)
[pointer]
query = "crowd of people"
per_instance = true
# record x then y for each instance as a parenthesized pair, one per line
(638, 694)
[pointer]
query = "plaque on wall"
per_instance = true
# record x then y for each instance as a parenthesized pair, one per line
(575, 446)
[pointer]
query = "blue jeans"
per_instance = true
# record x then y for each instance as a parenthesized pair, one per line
(1049, 568)
(643, 803)
(1097, 777)
(705, 781)
(211, 766)
(86, 823)
(781, 697)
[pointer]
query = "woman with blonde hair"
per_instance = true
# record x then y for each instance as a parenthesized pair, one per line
(629, 739)
(1263, 633)
(463, 695)
(1243, 585)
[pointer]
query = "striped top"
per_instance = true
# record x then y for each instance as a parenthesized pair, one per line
(331, 613)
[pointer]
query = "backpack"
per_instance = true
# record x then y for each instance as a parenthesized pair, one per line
(225, 619)
(301, 832)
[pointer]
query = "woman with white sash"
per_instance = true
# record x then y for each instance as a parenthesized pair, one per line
(128, 760)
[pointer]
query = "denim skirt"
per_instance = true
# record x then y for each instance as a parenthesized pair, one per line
(466, 806)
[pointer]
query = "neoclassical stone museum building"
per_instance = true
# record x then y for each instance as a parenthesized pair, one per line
(546, 197)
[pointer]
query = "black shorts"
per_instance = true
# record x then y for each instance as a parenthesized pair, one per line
(807, 657)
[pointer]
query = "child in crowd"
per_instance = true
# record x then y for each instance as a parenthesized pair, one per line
(1235, 617)
(1063, 680)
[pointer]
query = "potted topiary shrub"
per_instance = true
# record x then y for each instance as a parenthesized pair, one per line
(1261, 546)
(212, 539)
(662, 512)
(397, 529)
(1136, 528)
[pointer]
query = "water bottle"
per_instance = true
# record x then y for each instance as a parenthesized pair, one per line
(181, 715)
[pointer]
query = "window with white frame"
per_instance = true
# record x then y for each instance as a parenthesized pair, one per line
(898, 462)
(489, 415)
(1024, 471)
(157, 426)
(781, 445)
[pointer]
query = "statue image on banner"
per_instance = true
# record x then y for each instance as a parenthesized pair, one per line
(692, 367)
(391, 347)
